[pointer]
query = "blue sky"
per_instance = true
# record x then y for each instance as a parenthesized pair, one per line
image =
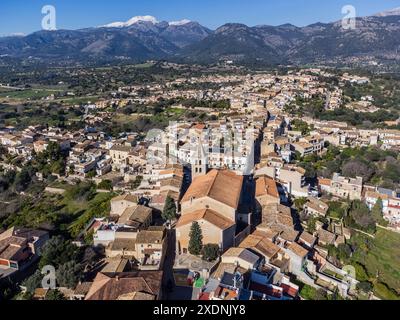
(24, 16)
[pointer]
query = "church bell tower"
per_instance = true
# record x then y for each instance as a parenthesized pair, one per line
(199, 162)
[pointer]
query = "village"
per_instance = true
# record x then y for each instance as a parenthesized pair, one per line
(223, 209)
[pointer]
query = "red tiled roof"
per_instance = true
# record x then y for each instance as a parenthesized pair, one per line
(209, 215)
(214, 185)
(288, 290)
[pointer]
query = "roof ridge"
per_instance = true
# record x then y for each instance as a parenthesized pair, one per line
(102, 280)
(213, 182)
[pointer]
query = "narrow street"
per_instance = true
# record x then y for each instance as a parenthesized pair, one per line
(169, 261)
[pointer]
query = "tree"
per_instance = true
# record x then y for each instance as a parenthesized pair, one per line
(91, 174)
(360, 217)
(210, 252)
(81, 192)
(55, 295)
(300, 125)
(365, 286)
(105, 185)
(8, 288)
(136, 184)
(53, 151)
(321, 295)
(22, 180)
(33, 282)
(169, 212)
(69, 274)
(57, 251)
(196, 239)
(356, 168)
(377, 212)
(6, 180)
(311, 224)
(311, 172)
(299, 203)
(344, 252)
(58, 167)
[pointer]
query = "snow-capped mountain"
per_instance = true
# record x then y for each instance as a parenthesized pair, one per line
(132, 21)
(141, 38)
(145, 37)
(179, 23)
(139, 19)
(180, 33)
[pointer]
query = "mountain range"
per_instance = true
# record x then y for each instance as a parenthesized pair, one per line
(375, 38)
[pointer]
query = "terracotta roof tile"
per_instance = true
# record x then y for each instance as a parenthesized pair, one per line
(113, 286)
(266, 186)
(262, 245)
(222, 185)
(298, 250)
(211, 216)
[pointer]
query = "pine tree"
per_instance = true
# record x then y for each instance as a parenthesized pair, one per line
(196, 239)
(169, 212)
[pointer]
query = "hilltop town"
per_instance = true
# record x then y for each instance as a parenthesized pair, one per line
(225, 184)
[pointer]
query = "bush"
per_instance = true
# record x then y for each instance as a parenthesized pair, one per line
(309, 293)
(365, 286)
(361, 272)
(210, 252)
(55, 295)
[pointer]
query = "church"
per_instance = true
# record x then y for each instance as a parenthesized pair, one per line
(212, 200)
